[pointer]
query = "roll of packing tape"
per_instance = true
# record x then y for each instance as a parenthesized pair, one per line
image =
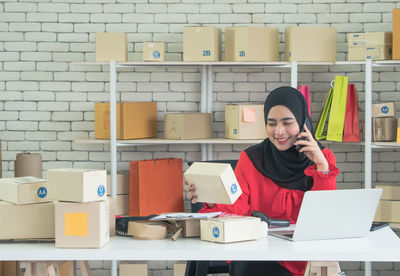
(28, 164)
(147, 230)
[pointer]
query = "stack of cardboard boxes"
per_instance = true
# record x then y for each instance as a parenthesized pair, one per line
(122, 198)
(389, 206)
(384, 124)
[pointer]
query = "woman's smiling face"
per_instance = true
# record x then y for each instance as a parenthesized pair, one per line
(282, 127)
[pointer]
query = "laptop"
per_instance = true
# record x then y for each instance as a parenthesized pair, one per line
(333, 214)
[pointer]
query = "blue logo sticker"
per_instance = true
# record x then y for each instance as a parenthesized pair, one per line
(242, 53)
(385, 109)
(233, 188)
(215, 232)
(156, 54)
(206, 53)
(101, 190)
(42, 192)
(235, 131)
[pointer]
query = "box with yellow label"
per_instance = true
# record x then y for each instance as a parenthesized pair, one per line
(27, 221)
(23, 190)
(153, 51)
(375, 46)
(77, 185)
(111, 47)
(134, 120)
(187, 125)
(251, 44)
(230, 229)
(201, 43)
(245, 121)
(82, 225)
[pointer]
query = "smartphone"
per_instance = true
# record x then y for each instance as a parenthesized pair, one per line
(309, 126)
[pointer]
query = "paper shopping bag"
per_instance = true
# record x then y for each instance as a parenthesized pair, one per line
(305, 91)
(351, 131)
(338, 110)
(155, 186)
(319, 131)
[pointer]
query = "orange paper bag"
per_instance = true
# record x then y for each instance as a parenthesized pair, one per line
(351, 132)
(155, 187)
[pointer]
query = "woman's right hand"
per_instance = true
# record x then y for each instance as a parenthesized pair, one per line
(191, 195)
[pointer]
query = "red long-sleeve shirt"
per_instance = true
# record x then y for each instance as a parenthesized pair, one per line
(260, 193)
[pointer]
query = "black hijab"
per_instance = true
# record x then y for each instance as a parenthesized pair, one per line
(285, 168)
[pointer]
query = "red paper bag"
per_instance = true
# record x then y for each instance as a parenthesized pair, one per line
(305, 91)
(351, 132)
(155, 187)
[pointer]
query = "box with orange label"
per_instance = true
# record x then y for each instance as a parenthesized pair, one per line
(245, 121)
(134, 120)
(82, 225)
(23, 190)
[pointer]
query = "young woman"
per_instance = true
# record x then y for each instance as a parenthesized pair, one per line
(275, 174)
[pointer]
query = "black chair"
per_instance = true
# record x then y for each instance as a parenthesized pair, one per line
(202, 268)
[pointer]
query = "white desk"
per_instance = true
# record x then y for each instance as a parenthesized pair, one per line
(382, 245)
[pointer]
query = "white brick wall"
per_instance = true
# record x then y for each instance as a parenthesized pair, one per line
(46, 102)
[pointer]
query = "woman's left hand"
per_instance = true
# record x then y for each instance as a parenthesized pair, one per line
(311, 149)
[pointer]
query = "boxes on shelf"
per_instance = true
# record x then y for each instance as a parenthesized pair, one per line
(179, 268)
(375, 46)
(245, 121)
(134, 120)
(388, 211)
(383, 109)
(111, 47)
(82, 225)
(122, 183)
(27, 221)
(310, 43)
(201, 43)
(384, 129)
(187, 125)
(396, 33)
(136, 268)
(215, 182)
(77, 185)
(153, 51)
(389, 192)
(230, 229)
(122, 205)
(112, 209)
(23, 190)
(251, 44)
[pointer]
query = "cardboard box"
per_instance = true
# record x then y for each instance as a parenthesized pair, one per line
(230, 229)
(153, 51)
(251, 44)
(27, 221)
(383, 109)
(179, 268)
(24, 190)
(388, 211)
(147, 230)
(122, 205)
(389, 192)
(122, 183)
(396, 33)
(133, 269)
(111, 47)
(191, 228)
(134, 120)
(82, 225)
(375, 46)
(77, 185)
(310, 43)
(201, 43)
(9, 268)
(384, 129)
(112, 205)
(187, 125)
(245, 121)
(215, 182)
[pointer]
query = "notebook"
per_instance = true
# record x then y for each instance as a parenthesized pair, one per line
(333, 214)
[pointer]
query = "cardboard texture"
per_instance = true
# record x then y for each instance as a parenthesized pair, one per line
(187, 125)
(388, 211)
(112, 205)
(156, 187)
(230, 229)
(23, 190)
(147, 230)
(153, 51)
(375, 46)
(201, 43)
(111, 47)
(396, 33)
(82, 225)
(383, 109)
(122, 205)
(133, 269)
(28, 221)
(134, 120)
(77, 185)
(245, 121)
(179, 268)
(389, 192)
(251, 44)
(191, 228)
(9, 268)
(384, 129)
(122, 183)
(28, 164)
(310, 43)
(215, 182)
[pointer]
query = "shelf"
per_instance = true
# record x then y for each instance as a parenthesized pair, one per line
(386, 63)
(382, 145)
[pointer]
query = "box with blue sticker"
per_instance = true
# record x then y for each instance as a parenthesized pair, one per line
(153, 51)
(383, 110)
(215, 182)
(77, 185)
(24, 190)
